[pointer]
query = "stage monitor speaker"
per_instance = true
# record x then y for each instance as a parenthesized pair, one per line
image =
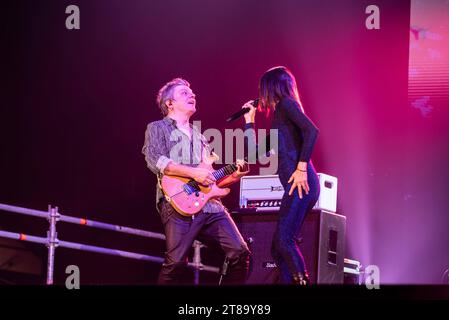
(18, 264)
(321, 240)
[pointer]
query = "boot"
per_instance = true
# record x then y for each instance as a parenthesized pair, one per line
(301, 279)
(235, 272)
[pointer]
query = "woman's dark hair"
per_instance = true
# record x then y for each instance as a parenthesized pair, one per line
(275, 84)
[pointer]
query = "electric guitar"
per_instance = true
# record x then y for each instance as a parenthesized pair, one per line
(187, 196)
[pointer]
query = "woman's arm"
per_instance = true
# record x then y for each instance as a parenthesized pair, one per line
(250, 133)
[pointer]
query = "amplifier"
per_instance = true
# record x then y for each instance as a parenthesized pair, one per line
(261, 193)
(352, 271)
(264, 193)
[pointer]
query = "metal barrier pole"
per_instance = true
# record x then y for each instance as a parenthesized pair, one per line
(52, 242)
(83, 222)
(88, 248)
(26, 211)
(197, 265)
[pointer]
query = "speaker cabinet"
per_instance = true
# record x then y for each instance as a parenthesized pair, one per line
(321, 241)
(19, 264)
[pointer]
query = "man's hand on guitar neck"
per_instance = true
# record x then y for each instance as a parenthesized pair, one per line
(235, 176)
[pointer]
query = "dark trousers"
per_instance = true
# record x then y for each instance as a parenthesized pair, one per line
(292, 214)
(209, 228)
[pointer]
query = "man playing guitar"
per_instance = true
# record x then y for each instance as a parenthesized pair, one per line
(175, 148)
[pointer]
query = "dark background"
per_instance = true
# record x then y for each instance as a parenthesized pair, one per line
(75, 105)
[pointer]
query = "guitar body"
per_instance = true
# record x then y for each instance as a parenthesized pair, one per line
(191, 201)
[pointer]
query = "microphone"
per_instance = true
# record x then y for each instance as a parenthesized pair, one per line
(242, 111)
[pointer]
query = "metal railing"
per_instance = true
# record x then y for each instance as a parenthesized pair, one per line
(52, 241)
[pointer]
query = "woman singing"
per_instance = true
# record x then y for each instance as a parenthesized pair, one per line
(278, 94)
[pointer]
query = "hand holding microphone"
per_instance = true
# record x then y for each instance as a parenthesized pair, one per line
(248, 107)
(250, 115)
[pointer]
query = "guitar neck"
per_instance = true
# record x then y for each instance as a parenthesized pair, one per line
(225, 171)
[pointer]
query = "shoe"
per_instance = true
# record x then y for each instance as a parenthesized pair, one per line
(301, 279)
